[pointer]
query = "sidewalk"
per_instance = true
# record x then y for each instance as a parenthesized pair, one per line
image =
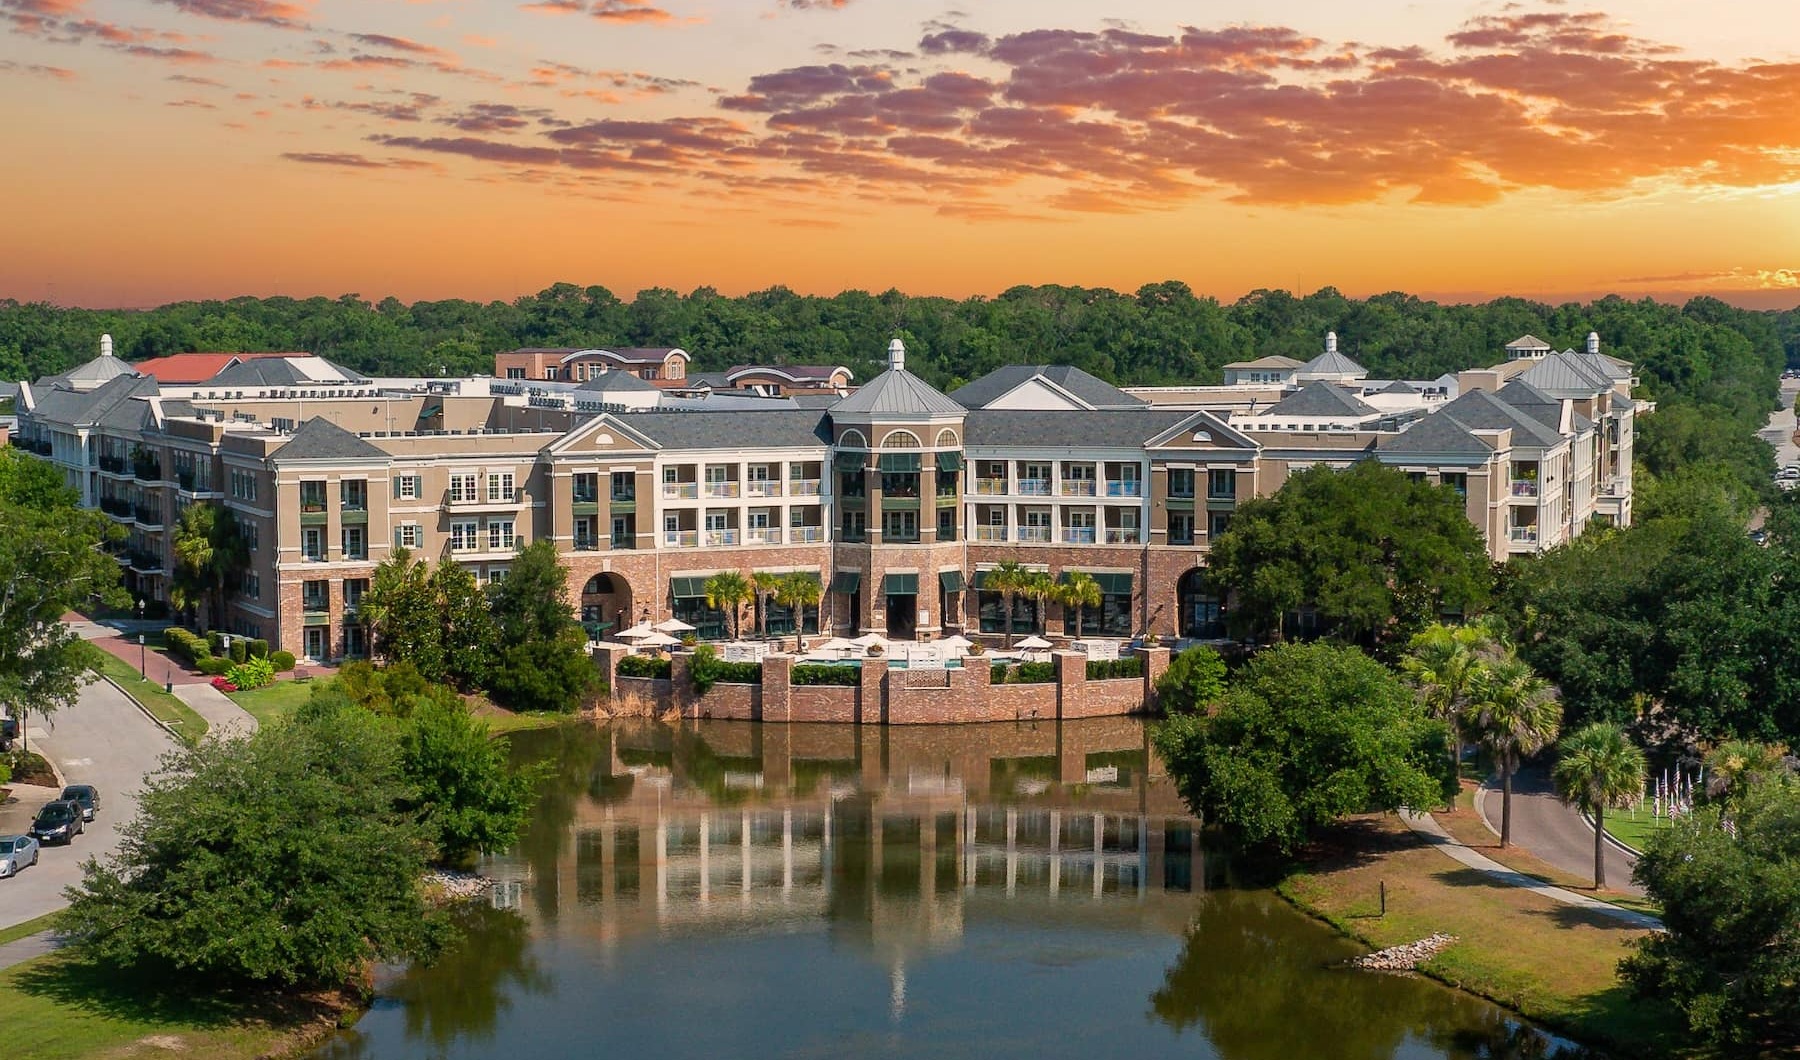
(222, 714)
(1424, 825)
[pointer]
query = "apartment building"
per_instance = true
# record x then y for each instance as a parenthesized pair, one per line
(899, 499)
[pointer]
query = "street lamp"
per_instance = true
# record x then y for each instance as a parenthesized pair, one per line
(140, 609)
(143, 660)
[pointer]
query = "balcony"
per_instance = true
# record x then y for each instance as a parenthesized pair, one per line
(353, 516)
(1039, 535)
(681, 539)
(681, 491)
(726, 490)
(990, 487)
(762, 535)
(147, 516)
(586, 544)
(763, 488)
(147, 470)
(1078, 535)
(144, 562)
(112, 465)
(118, 508)
(1077, 487)
(806, 535)
(1123, 536)
(1034, 487)
(721, 538)
(624, 541)
(485, 499)
(316, 613)
(803, 487)
(314, 514)
(1524, 487)
(996, 534)
(1125, 488)
(1522, 535)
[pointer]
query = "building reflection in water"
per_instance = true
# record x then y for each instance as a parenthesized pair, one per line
(884, 835)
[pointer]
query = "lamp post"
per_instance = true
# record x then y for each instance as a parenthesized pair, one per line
(140, 609)
(143, 659)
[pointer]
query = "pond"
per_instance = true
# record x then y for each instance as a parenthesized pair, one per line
(739, 890)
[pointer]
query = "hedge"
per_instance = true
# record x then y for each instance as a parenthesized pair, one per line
(1031, 673)
(215, 642)
(1112, 669)
(185, 645)
(212, 666)
(817, 674)
(240, 649)
(283, 660)
(259, 648)
(645, 666)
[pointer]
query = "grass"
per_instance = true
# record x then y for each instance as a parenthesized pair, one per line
(501, 720)
(273, 703)
(27, 928)
(60, 1008)
(1466, 825)
(178, 716)
(1553, 963)
(1634, 830)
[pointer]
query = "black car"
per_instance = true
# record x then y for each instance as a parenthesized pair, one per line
(9, 731)
(57, 822)
(85, 796)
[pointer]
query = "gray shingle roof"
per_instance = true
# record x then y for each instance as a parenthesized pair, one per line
(736, 429)
(102, 369)
(614, 382)
(1440, 433)
(111, 403)
(1273, 360)
(1332, 362)
(1321, 399)
(1398, 386)
(1482, 410)
(321, 439)
(897, 393)
(1083, 387)
(1528, 342)
(1101, 428)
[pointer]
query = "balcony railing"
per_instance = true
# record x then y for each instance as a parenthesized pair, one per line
(806, 534)
(762, 535)
(681, 491)
(762, 488)
(1123, 536)
(1226, 494)
(1523, 487)
(189, 482)
(721, 538)
(112, 464)
(681, 539)
(1036, 535)
(722, 489)
(990, 487)
(587, 544)
(1125, 488)
(1077, 487)
(1034, 487)
(147, 470)
(315, 603)
(803, 487)
(624, 541)
(147, 515)
(116, 506)
(990, 533)
(144, 562)
(1525, 535)
(1078, 535)
(624, 496)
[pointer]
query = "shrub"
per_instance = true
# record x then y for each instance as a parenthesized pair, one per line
(1032, 673)
(645, 666)
(282, 660)
(240, 649)
(819, 674)
(224, 684)
(185, 645)
(1114, 669)
(215, 641)
(259, 648)
(213, 667)
(997, 674)
(253, 673)
(707, 669)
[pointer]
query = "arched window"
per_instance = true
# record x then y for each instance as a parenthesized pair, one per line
(853, 439)
(946, 439)
(900, 440)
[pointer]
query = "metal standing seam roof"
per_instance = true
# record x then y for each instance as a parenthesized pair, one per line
(616, 382)
(1566, 372)
(897, 392)
(1084, 387)
(1332, 362)
(282, 371)
(1273, 360)
(1321, 399)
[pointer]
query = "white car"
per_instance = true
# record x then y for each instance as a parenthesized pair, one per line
(17, 852)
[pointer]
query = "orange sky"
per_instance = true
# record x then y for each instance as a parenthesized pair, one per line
(165, 149)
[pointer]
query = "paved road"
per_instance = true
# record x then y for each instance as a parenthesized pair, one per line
(104, 740)
(1554, 831)
(1780, 431)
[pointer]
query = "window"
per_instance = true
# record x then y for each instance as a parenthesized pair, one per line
(1458, 481)
(851, 484)
(1216, 522)
(312, 496)
(550, 373)
(946, 524)
(624, 486)
(855, 526)
(1181, 528)
(500, 535)
(355, 641)
(992, 609)
(899, 526)
(313, 643)
(356, 543)
(248, 533)
(315, 595)
(462, 489)
(1415, 477)
(500, 486)
(406, 487)
(354, 494)
(409, 535)
(515, 373)
(312, 544)
(1181, 482)
(1221, 482)
(900, 484)
(464, 537)
(496, 575)
(252, 586)
(354, 588)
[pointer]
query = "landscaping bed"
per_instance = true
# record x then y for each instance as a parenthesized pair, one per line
(29, 767)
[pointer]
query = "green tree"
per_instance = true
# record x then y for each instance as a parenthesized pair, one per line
(1194, 680)
(210, 560)
(1736, 766)
(1307, 734)
(1442, 662)
(403, 615)
(283, 857)
(1729, 955)
(729, 591)
(1513, 714)
(1597, 768)
(1011, 580)
(1040, 589)
(543, 664)
(799, 592)
(1377, 555)
(766, 586)
(469, 631)
(1077, 592)
(533, 601)
(468, 797)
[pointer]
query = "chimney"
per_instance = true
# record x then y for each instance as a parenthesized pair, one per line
(1331, 342)
(106, 346)
(896, 356)
(1593, 345)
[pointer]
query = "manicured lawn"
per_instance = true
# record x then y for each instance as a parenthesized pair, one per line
(1553, 963)
(56, 1008)
(1634, 829)
(273, 703)
(162, 706)
(501, 720)
(27, 928)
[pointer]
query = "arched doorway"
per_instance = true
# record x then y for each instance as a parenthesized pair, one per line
(605, 605)
(1202, 615)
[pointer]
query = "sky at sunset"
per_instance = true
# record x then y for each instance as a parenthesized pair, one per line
(169, 149)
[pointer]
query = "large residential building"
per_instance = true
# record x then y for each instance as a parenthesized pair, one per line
(897, 497)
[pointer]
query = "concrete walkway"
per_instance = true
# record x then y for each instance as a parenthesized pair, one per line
(1425, 826)
(19, 951)
(222, 714)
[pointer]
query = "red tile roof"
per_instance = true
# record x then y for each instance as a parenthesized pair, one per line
(196, 367)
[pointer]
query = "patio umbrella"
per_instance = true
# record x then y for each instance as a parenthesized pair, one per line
(870, 640)
(834, 644)
(1032, 643)
(957, 643)
(642, 629)
(674, 625)
(656, 640)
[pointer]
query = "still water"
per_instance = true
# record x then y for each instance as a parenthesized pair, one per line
(737, 890)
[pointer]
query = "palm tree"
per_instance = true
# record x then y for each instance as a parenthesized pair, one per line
(1078, 592)
(1040, 588)
(1010, 579)
(766, 586)
(799, 592)
(1735, 765)
(729, 591)
(210, 559)
(1513, 713)
(1442, 662)
(1599, 767)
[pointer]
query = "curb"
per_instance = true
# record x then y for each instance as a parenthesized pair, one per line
(145, 711)
(1611, 840)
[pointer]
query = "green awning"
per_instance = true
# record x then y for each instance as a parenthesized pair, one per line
(687, 588)
(900, 585)
(899, 462)
(951, 461)
(951, 580)
(431, 410)
(981, 577)
(849, 461)
(1112, 584)
(846, 582)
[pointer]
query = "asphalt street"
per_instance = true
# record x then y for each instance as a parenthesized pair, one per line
(1554, 831)
(103, 740)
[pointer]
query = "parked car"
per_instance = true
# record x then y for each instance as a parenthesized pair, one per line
(17, 852)
(1759, 536)
(9, 731)
(85, 796)
(57, 822)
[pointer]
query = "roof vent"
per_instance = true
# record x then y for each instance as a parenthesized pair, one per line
(1331, 342)
(1593, 345)
(896, 356)
(106, 346)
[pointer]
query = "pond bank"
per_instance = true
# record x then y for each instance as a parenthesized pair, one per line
(1553, 963)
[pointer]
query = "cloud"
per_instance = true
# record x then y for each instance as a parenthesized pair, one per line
(351, 160)
(57, 72)
(398, 44)
(265, 12)
(629, 11)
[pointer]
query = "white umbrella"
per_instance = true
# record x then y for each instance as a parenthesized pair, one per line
(834, 644)
(870, 640)
(1032, 643)
(642, 629)
(957, 643)
(657, 640)
(674, 625)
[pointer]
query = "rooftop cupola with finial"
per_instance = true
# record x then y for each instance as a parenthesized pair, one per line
(895, 395)
(1593, 342)
(106, 346)
(1330, 366)
(1331, 342)
(896, 356)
